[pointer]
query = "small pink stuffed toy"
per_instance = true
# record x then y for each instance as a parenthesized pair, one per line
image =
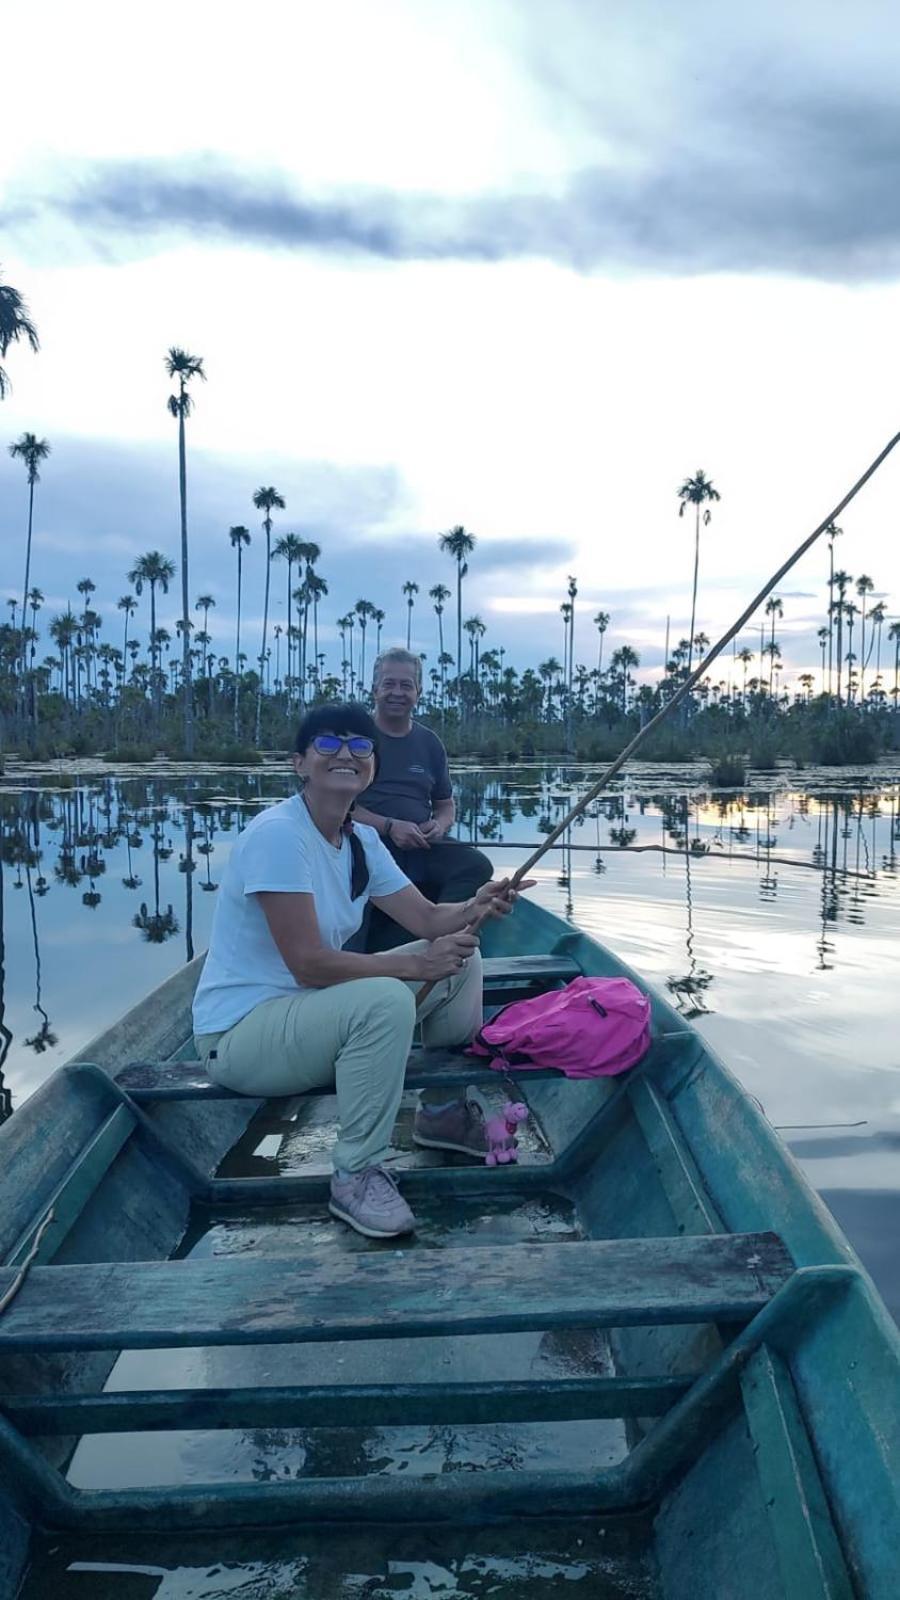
(501, 1133)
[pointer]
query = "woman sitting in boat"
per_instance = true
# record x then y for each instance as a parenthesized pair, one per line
(281, 1007)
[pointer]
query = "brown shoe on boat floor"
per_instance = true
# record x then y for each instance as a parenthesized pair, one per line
(456, 1127)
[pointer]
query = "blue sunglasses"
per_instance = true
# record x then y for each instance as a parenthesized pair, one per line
(328, 744)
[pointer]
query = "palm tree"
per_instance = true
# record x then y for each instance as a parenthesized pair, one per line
(547, 670)
(823, 636)
(601, 623)
(184, 367)
(851, 612)
(842, 580)
(364, 610)
(572, 591)
(62, 631)
(266, 500)
(89, 621)
(309, 553)
(290, 549)
(864, 586)
(204, 603)
(35, 601)
(439, 594)
(876, 618)
(343, 623)
(894, 634)
(774, 608)
(317, 589)
(128, 604)
(378, 618)
(15, 324)
(32, 451)
(239, 536)
(476, 630)
(697, 491)
(459, 544)
(624, 659)
(834, 532)
(410, 589)
(745, 657)
(153, 569)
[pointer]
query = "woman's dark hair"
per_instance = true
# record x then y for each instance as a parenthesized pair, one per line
(344, 717)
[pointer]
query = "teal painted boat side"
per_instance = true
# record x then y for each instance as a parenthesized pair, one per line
(846, 1366)
(774, 1474)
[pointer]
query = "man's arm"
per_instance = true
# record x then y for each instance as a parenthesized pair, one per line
(372, 819)
(442, 820)
(405, 835)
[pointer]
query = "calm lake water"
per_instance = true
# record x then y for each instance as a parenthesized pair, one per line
(770, 916)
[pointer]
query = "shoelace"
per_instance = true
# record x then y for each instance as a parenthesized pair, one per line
(476, 1111)
(381, 1187)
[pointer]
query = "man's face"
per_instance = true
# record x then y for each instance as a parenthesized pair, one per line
(395, 693)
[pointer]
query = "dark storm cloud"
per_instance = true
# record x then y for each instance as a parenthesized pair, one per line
(767, 181)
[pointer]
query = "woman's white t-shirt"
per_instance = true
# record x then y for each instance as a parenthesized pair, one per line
(281, 850)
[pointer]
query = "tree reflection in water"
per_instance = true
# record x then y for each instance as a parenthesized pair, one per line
(689, 989)
(94, 837)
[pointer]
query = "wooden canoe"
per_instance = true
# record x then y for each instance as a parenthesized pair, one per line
(645, 1357)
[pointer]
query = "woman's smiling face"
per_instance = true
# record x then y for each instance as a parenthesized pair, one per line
(337, 763)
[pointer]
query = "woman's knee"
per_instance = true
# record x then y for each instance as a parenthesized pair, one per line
(471, 978)
(386, 1000)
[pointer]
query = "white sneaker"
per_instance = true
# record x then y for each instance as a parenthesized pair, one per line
(371, 1203)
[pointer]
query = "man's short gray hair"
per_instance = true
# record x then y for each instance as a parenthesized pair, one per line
(405, 658)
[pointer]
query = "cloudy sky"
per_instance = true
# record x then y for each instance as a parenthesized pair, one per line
(519, 264)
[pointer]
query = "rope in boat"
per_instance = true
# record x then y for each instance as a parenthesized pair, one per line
(682, 693)
(22, 1273)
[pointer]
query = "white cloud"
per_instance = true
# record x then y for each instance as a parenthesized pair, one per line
(532, 403)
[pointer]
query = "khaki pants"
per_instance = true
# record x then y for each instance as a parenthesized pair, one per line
(353, 1035)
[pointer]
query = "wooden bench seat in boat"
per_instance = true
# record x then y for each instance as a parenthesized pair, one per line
(187, 1080)
(505, 978)
(719, 1278)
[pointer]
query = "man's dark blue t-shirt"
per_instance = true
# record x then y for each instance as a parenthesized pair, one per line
(412, 776)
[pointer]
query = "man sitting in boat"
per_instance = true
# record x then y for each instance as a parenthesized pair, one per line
(281, 1007)
(410, 803)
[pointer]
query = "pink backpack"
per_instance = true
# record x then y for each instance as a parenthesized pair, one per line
(593, 1028)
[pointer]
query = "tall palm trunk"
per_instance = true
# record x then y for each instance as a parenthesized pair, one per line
(290, 567)
(237, 647)
(459, 635)
(830, 615)
(694, 591)
(153, 649)
(186, 687)
(262, 654)
(862, 655)
(27, 576)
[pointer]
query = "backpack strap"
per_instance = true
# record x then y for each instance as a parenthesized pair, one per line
(514, 1058)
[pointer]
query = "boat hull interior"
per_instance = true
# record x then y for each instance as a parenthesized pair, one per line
(643, 1359)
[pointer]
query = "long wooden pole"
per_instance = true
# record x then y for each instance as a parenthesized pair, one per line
(689, 683)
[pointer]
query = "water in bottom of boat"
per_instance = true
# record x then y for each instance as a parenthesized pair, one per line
(271, 1453)
(609, 1559)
